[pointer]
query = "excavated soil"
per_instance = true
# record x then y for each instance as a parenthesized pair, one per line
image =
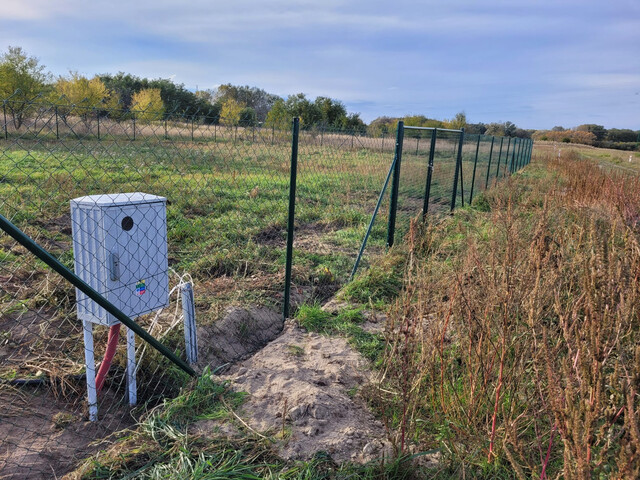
(311, 381)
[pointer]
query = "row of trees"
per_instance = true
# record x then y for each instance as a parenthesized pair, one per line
(23, 79)
(119, 96)
(592, 134)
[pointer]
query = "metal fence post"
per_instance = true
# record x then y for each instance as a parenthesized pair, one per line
(291, 218)
(475, 164)
(427, 190)
(513, 155)
(506, 158)
(499, 159)
(393, 204)
(193, 122)
(57, 131)
(486, 181)
(166, 134)
(133, 116)
(458, 172)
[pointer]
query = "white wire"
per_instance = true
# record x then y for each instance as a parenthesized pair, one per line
(183, 279)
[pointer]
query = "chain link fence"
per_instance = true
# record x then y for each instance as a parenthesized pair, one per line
(170, 217)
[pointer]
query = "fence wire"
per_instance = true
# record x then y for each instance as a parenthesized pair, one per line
(149, 207)
(226, 191)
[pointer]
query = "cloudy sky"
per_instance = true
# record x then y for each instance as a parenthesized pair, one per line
(538, 63)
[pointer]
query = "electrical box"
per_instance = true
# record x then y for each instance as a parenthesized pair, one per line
(120, 249)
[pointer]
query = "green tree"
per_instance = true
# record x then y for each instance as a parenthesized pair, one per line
(598, 130)
(80, 96)
(247, 117)
(256, 98)
(458, 122)
(22, 78)
(278, 117)
(148, 105)
(230, 112)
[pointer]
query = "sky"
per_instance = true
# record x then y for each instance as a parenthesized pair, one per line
(537, 63)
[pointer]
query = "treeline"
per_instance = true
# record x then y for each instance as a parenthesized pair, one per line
(26, 83)
(120, 96)
(592, 134)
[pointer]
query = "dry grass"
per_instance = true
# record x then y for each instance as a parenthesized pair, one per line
(515, 346)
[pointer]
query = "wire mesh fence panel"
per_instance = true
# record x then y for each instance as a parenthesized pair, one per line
(340, 175)
(200, 205)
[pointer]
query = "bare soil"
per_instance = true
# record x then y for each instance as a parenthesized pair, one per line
(303, 389)
(42, 438)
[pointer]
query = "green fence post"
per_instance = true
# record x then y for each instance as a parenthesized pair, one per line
(475, 163)
(393, 204)
(506, 158)
(486, 181)
(458, 171)
(291, 217)
(513, 155)
(133, 116)
(57, 131)
(427, 190)
(499, 159)
(520, 152)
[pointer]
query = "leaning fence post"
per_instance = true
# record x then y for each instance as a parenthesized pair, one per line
(427, 189)
(457, 172)
(393, 204)
(291, 217)
(475, 164)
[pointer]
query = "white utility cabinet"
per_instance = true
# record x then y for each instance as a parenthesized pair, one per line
(120, 249)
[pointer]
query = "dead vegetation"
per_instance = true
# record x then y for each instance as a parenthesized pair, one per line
(515, 345)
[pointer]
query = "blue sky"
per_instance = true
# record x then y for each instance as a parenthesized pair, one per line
(536, 63)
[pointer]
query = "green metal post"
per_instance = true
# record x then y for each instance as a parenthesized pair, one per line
(77, 282)
(520, 153)
(486, 181)
(458, 171)
(393, 204)
(57, 131)
(427, 190)
(291, 219)
(513, 154)
(193, 121)
(506, 158)
(373, 218)
(134, 126)
(499, 159)
(475, 163)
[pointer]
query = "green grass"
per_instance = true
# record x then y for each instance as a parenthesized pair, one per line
(347, 324)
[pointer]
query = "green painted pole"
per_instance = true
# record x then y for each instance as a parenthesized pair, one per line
(393, 204)
(291, 219)
(427, 190)
(373, 218)
(77, 282)
(475, 164)
(506, 158)
(457, 171)
(499, 159)
(486, 181)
